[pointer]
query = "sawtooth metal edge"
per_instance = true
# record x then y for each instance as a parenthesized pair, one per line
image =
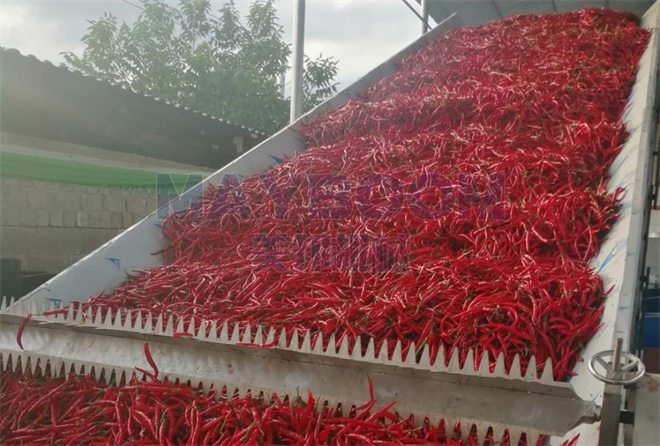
(127, 322)
(532, 408)
(23, 362)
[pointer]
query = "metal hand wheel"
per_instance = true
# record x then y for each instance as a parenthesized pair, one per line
(622, 370)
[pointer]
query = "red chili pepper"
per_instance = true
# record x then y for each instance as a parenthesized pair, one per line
(487, 151)
(54, 312)
(152, 363)
(21, 329)
(150, 359)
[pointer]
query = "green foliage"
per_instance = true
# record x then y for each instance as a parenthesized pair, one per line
(208, 61)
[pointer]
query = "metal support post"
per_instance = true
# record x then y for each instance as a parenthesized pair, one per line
(298, 59)
(425, 16)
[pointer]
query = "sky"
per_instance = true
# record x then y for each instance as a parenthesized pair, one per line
(359, 33)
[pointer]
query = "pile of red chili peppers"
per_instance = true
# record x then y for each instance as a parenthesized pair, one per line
(43, 410)
(486, 154)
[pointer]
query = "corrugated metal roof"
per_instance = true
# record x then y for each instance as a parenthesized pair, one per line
(15, 52)
(40, 99)
(477, 12)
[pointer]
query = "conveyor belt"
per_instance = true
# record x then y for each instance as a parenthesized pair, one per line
(498, 398)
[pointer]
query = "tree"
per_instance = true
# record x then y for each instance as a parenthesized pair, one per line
(210, 62)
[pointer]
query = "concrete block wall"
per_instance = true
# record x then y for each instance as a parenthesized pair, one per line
(49, 226)
(653, 252)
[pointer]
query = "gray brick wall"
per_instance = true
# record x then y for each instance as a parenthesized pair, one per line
(51, 225)
(653, 250)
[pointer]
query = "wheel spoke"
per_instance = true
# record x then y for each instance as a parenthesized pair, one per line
(628, 367)
(601, 361)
